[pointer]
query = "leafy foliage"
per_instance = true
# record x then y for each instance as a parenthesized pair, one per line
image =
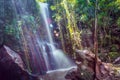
(82, 13)
(74, 18)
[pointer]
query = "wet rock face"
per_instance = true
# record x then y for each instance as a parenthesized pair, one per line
(87, 59)
(11, 66)
(73, 75)
(117, 61)
(86, 64)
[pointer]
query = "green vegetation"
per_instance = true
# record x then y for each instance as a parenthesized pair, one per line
(78, 16)
(75, 20)
(77, 25)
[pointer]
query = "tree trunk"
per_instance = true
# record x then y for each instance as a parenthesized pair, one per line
(96, 43)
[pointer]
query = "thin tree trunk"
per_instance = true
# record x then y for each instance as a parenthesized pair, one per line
(62, 39)
(96, 43)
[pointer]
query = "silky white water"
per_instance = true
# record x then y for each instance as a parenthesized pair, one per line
(40, 54)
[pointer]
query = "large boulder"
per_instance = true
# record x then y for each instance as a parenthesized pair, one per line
(12, 66)
(85, 60)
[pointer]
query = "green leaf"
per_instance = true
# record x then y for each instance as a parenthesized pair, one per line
(53, 8)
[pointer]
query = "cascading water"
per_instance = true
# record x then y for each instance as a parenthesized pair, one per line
(45, 14)
(60, 59)
(41, 56)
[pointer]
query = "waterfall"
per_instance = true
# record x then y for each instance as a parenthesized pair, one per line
(45, 14)
(41, 55)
